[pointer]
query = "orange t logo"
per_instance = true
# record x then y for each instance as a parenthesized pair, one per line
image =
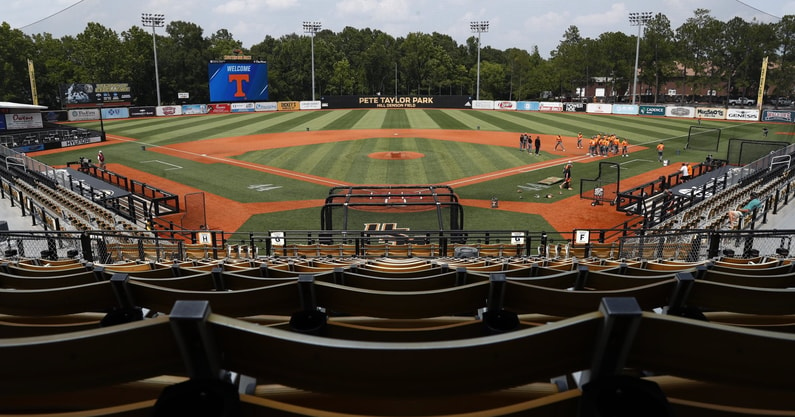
(238, 79)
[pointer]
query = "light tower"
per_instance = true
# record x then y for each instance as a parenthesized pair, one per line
(479, 27)
(312, 28)
(154, 20)
(639, 20)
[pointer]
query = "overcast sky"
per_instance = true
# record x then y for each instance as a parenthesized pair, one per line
(512, 23)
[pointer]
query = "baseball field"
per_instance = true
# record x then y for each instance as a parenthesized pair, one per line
(273, 170)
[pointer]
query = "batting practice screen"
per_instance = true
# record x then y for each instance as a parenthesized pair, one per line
(392, 208)
(703, 138)
(238, 81)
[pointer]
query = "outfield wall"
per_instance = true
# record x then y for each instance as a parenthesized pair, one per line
(438, 102)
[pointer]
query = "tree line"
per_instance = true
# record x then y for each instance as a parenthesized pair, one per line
(704, 54)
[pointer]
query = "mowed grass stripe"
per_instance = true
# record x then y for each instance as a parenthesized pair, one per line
(471, 120)
(496, 119)
(446, 121)
(419, 119)
(320, 122)
(297, 121)
(174, 129)
(396, 119)
(372, 119)
(342, 121)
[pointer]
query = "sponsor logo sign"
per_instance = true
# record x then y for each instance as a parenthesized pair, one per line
(194, 109)
(309, 105)
(289, 105)
(143, 111)
(505, 105)
(242, 107)
(115, 113)
(23, 121)
(80, 141)
(742, 114)
(169, 110)
(652, 110)
(528, 105)
(550, 106)
(625, 109)
(219, 108)
(573, 106)
(482, 105)
(601, 108)
(778, 116)
(266, 106)
(710, 113)
(676, 111)
(85, 114)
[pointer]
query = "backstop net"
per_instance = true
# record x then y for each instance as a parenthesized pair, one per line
(396, 208)
(744, 151)
(605, 186)
(702, 138)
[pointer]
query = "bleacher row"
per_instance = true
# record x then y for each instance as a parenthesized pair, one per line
(443, 336)
(75, 212)
(711, 213)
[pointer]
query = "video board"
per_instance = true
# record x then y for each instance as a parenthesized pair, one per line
(238, 81)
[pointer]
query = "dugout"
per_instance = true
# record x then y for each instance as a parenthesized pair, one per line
(392, 209)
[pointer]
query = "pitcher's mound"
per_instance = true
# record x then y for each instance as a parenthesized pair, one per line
(396, 155)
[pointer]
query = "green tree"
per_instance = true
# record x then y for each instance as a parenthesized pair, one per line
(783, 73)
(15, 49)
(657, 54)
(182, 59)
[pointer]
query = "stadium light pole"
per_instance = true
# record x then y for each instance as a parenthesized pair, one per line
(479, 27)
(312, 28)
(154, 20)
(639, 20)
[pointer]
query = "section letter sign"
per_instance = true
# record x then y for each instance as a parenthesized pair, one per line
(238, 81)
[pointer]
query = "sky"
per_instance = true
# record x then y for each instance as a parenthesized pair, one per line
(519, 24)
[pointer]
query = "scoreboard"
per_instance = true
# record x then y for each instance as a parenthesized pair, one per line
(238, 80)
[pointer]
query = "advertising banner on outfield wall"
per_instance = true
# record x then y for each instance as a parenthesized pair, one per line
(115, 113)
(601, 108)
(677, 111)
(309, 105)
(80, 141)
(219, 108)
(710, 113)
(550, 106)
(396, 102)
(482, 105)
(194, 109)
(147, 111)
(169, 110)
(23, 121)
(266, 106)
(242, 107)
(54, 116)
(742, 114)
(778, 116)
(630, 109)
(528, 105)
(574, 106)
(83, 114)
(652, 111)
(289, 105)
(504, 105)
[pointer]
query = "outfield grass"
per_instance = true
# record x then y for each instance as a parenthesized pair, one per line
(347, 161)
